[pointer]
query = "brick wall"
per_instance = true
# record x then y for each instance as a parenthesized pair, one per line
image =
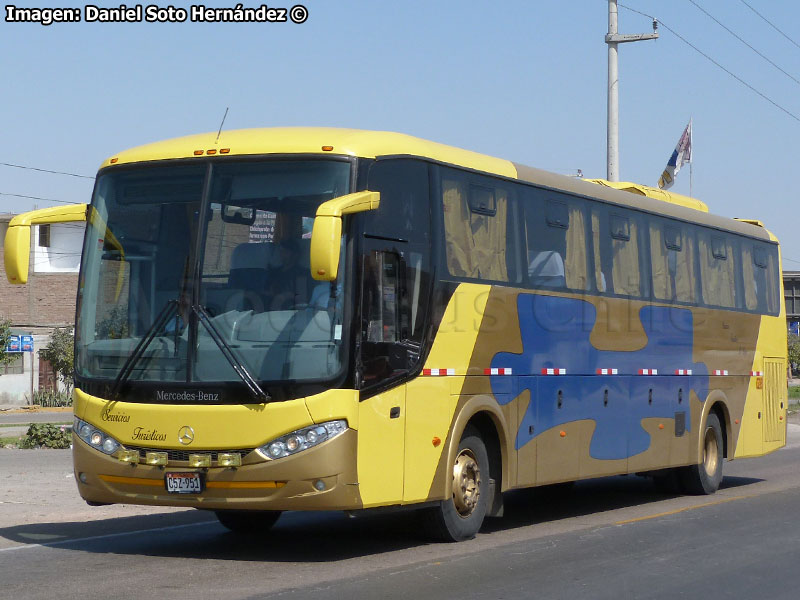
(47, 300)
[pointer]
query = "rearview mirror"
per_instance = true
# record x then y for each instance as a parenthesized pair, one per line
(17, 245)
(326, 235)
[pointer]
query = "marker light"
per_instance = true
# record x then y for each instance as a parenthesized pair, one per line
(302, 439)
(211, 151)
(225, 151)
(327, 148)
(113, 160)
(198, 153)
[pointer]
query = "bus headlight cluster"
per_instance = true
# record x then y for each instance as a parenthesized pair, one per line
(94, 437)
(303, 439)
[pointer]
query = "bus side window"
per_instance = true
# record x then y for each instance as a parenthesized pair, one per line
(624, 242)
(759, 268)
(477, 212)
(556, 244)
(672, 251)
(404, 218)
(385, 349)
(718, 270)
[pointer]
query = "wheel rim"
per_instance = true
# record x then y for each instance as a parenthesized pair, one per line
(710, 452)
(466, 483)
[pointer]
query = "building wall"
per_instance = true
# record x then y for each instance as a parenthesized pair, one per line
(63, 255)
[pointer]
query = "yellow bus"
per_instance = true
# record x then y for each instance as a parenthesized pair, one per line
(314, 319)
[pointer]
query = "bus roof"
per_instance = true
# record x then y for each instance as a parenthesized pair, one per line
(374, 144)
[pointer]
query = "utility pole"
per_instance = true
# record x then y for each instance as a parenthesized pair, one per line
(613, 39)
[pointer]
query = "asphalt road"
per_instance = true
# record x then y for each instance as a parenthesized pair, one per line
(610, 538)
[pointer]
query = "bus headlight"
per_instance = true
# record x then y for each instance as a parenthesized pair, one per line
(96, 438)
(302, 439)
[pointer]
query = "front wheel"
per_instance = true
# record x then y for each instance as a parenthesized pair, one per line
(248, 521)
(460, 516)
(704, 478)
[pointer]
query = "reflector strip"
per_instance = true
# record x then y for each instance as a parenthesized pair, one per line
(683, 371)
(648, 371)
(719, 372)
(133, 480)
(756, 373)
(242, 485)
(554, 371)
(607, 372)
(500, 371)
(438, 372)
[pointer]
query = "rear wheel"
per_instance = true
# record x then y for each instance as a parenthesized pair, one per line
(248, 521)
(704, 478)
(460, 516)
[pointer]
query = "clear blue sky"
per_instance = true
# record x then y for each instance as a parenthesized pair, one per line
(523, 80)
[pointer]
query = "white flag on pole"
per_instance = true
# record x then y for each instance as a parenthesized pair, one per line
(680, 156)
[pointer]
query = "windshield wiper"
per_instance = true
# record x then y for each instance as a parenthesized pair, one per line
(252, 385)
(149, 335)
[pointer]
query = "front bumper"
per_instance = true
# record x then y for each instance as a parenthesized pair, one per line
(290, 483)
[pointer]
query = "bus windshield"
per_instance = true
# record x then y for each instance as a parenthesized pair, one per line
(199, 271)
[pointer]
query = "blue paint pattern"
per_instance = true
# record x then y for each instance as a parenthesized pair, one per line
(555, 333)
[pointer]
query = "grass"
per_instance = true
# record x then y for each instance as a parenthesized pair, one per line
(14, 439)
(794, 394)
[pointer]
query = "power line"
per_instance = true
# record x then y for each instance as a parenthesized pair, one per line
(734, 34)
(707, 57)
(37, 198)
(770, 23)
(5, 164)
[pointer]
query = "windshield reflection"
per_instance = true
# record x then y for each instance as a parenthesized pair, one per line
(239, 256)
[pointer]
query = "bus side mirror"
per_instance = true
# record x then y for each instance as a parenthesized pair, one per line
(326, 237)
(17, 245)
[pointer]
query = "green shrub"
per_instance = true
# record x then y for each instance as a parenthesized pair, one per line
(52, 398)
(47, 435)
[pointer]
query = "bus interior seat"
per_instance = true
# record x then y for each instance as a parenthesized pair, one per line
(546, 269)
(249, 265)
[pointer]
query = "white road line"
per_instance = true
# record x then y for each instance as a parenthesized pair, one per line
(102, 537)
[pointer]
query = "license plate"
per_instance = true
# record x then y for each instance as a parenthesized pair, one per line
(183, 483)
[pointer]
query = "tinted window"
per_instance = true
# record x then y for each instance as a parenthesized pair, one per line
(555, 235)
(481, 240)
(717, 269)
(672, 256)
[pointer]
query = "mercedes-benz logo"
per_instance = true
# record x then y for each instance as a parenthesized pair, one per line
(186, 435)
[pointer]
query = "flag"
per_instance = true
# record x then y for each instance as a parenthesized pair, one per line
(680, 156)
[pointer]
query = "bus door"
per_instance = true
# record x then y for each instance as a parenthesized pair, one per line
(395, 289)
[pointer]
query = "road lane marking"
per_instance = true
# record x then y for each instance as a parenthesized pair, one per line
(106, 536)
(680, 510)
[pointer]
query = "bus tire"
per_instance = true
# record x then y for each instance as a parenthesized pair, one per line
(705, 477)
(248, 521)
(460, 516)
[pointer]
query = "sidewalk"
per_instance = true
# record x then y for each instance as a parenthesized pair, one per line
(15, 419)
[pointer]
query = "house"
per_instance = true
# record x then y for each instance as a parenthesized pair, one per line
(46, 302)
